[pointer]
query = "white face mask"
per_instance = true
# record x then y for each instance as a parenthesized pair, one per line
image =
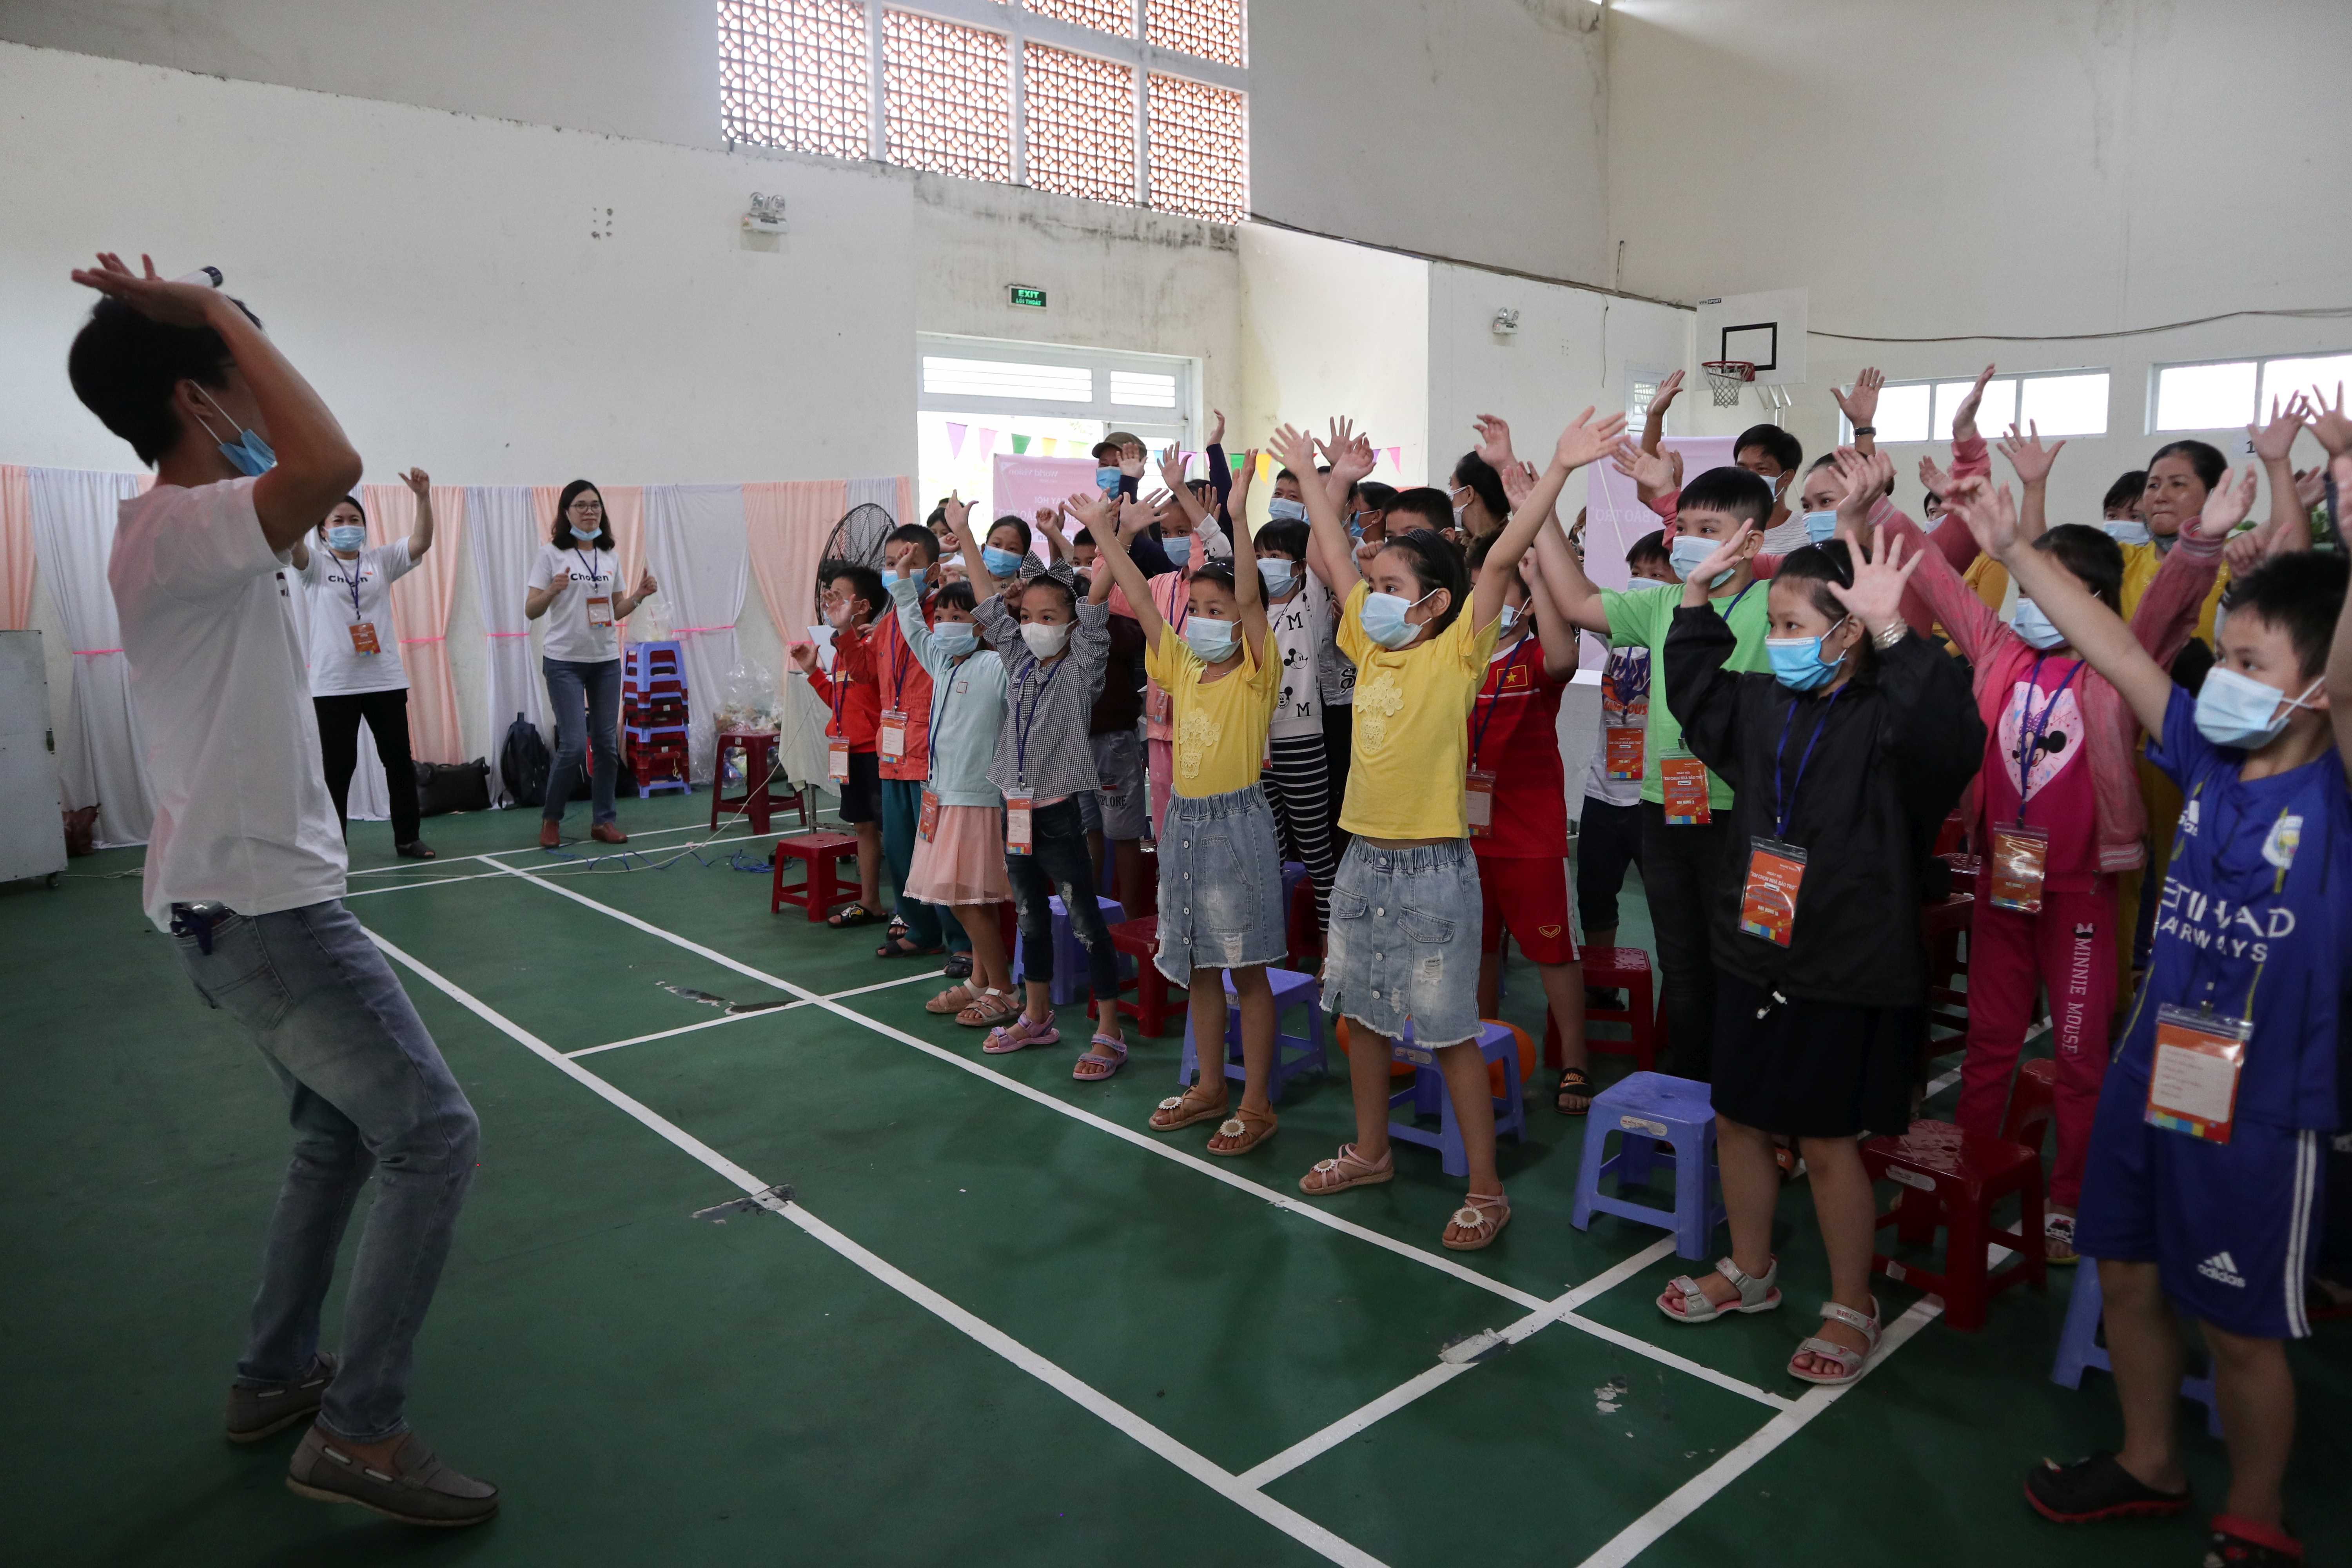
(1045, 641)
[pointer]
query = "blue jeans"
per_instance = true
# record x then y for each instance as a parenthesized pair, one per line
(587, 701)
(367, 1092)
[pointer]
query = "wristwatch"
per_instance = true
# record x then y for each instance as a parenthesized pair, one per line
(1865, 430)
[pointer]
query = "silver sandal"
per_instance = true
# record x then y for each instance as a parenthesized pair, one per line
(1694, 1307)
(1849, 1360)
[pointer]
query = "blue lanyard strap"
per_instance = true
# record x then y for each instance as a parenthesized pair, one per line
(352, 571)
(595, 578)
(1487, 701)
(1022, 726)
(2030, 728)
(939, 688)
(1782, 808)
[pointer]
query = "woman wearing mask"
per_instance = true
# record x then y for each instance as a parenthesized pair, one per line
(355, 670)
(1479, 504)
(576, 584)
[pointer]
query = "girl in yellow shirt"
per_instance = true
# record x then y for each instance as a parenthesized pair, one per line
(1220, 860)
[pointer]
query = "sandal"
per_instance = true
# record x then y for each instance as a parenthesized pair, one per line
(2239, 1541)
(954, 999)
(1020, 1034)
(1483, 1215)
(2090, 1490)
(1346, 1169)
(1249, 1127)
(2058, 1241)
(1686, 1302)
(1182, 1110)
(851, 914)
(1575, 1082)
(898, 947)
(1850, 1361)
(415, 849)
(988, 1009)
(958, 966)
(1092, 1069)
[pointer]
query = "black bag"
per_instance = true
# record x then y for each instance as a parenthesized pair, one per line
(452, 786)
(524, 762)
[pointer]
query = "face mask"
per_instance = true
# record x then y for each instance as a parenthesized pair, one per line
(2234, 709)
(1689, 549)
(1280, 576)
(1214, 641)
(1457, 515)
(1179, 547)
(346, 536)
(1356, 525)
(1383, 618)
(2125, 530)
(1821, 526)
(999, 563)
(1045, 641)
(586, 534)
(1506, 620)
(838, 617)
(891, 579)
(955, 639)
(1107, 480)
(249, 453)
(1798, 663)
(2035, 626)
(1282, 509)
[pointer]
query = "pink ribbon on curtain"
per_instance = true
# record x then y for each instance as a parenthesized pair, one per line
(93, 652)
(689, 631)
(506, 633)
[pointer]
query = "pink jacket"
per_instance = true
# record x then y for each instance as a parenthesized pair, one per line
(2000, 658)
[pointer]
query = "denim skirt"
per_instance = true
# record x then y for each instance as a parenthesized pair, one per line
(1220, 884)
(1404, 941)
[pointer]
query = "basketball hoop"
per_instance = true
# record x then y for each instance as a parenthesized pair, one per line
(1725, 377)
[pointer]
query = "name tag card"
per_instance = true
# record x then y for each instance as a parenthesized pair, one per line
(836, 760)
(363, 637)
(1767, 901)
(893, 735)
(1622, 757)
(2021, 858)
(600, 611)
(929, 824)
(1683, 780)
(1478, 802)
(2192, 1083)
(1016, 824)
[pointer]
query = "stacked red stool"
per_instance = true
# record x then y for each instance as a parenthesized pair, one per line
(1140, 939)
(1607, 969)
(1952, 1179)
(821, 888)
(654, 716)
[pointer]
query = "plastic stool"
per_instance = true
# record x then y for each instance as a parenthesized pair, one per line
(2032, 1104)
(1941, 927)
(1139, 940)
(819, 888)
(1960, 1176)
(760, 797)
(1427, 1097)
(1647, 1110)
(1070, 983)
(2079, 1349)
(1293, 1054)
(1605, 969)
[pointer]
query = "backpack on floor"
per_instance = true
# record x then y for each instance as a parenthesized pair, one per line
(452, 786)
(524, 762)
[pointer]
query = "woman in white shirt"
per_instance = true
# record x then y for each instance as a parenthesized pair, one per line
(355, 668)
(576, 584)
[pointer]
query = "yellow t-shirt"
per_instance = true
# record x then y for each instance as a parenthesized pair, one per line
(2142, 563)
(1411, 726)
(1216, 727)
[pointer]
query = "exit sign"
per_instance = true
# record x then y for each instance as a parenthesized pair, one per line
(1019, 294)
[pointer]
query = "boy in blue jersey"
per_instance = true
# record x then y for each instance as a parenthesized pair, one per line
(2202, 1189)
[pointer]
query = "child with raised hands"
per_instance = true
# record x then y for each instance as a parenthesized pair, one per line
(2058, 812)
(1053, 649)
(2202, 1190)
(1844, 761)
(1303, 617)
(852, 597)
(1406, 899)
(1219, 862)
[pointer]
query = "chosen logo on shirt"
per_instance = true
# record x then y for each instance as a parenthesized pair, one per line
(2222, 1270)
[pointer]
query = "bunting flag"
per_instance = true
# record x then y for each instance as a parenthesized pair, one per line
(1265, 466)
(1053, 447)
(1020, 446)
(955, 440)
(983, 440)
(1235, 461)
(1396, 458)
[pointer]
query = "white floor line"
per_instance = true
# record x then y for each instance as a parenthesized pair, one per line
(1013, 1086)
(1643, 1347)
(1693, 1494)
(1941, 1082)
(402, 886)
(490, 857)
(739, 1017)
(1291, 1522)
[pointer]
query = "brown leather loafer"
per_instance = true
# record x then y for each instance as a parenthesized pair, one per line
(608, 832)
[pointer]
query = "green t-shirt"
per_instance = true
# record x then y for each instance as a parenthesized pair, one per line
(1641, 617)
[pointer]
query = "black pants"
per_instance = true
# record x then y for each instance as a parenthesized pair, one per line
(386, 714)
(1058, 862)
(1338, 751)
(1683, 871)
(1608, 839)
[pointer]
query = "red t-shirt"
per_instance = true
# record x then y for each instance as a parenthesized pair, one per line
(851, 690)
(902, 683)
(1515, 736)
(2057, 793)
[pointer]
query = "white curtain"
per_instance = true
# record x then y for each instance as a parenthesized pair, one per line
(695, 544)
(502, 539)
(883, 493)
(371, 796)
(102, 761)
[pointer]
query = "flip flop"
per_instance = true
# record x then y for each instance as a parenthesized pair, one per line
(851, 914)
(898, 947)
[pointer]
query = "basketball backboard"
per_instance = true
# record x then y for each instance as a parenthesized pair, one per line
(1767, 329)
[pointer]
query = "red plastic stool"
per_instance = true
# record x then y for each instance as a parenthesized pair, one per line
(1140, 940)
(820, 888)
(1951, 835)
(760, 797)
(1941, 926)
(1605, 969)
(1305, 937)
(1966, 869)
(1961, 1177)
(2032, 1104)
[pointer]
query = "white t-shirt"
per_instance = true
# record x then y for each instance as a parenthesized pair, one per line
(345, 596)
(1298, 705)
(580, 578)
(242, 813)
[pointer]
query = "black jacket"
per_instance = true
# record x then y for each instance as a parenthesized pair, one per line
(1898, 745)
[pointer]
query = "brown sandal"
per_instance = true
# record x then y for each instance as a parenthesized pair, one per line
(1247, 1126)
(1345, 1171)
(989, 1009)
(954, 999)
(1182, 1110)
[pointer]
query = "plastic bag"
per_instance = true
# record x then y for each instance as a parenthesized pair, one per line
(748, 700)
(649, 624)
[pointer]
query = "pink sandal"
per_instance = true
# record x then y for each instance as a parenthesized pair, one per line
(1020, 1034)
(1092, 1069)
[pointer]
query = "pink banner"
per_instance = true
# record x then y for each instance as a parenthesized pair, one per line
(955, 438)
(1024, 484)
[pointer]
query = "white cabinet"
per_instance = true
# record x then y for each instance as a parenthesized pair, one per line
(32, 827)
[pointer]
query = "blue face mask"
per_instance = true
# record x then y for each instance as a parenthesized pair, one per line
(1107, 480)
(2125, 530)
(1821, 526)
(2035, 627)
(1214, 641)
(2234, 709)
(346, 537)
(999, 563)
(955, 639)
(1796, 662)
(1689, 549)
(891, 579)
(1280, 576)
(586, 535)
(249, 453)
(1506, 620)
(1179, 547)
(1282, 509)
(1356, 525)
(1383, 618)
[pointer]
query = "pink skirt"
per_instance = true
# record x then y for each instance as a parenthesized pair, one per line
(963, 863)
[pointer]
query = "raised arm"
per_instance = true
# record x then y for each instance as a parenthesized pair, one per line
(1553, 634)
(1565, 582)
(420, 538)
(2340, 652)
(2274, 444)
(1582, 442)
(959, 515)
(1249, 591)
(1653, 423)
(1859, 403)
(1110, 549)
(1220, 472)
(2032, 461)
(1325, 533)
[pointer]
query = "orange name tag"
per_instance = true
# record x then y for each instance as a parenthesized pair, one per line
(893, 735)
(1016, 824)
(600, 611)
(2019, 857)
(1478, 802)
(1682, 778)
(1622, 757)
(929, 824)
(2192, 1081)
(363, 637)
(1767, 901)
(836, 759)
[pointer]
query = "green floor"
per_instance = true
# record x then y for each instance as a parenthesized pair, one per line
(651, 1388)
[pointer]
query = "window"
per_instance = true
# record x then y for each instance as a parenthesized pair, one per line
(2226, 394)
(2282, 378)
(2059, 403)
(1037, 93)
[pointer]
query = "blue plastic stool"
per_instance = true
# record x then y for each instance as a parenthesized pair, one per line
(1427, 1097)
(1293, 1054)
(1070, 967)
(1647, 1110)
(2079, 1349)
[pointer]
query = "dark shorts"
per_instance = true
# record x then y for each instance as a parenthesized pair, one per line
(1812, 1069)
(861, 792)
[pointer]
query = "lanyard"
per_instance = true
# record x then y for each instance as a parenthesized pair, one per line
(2029, 729)
(940, 689)
(1739, 595)
(1487, 699)
(840, 682)
(351, 575)
(1179, 608)
(589, 561)
(1781, 810)
(1021, 726)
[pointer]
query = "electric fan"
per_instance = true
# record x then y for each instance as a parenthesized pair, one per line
(856, 541)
